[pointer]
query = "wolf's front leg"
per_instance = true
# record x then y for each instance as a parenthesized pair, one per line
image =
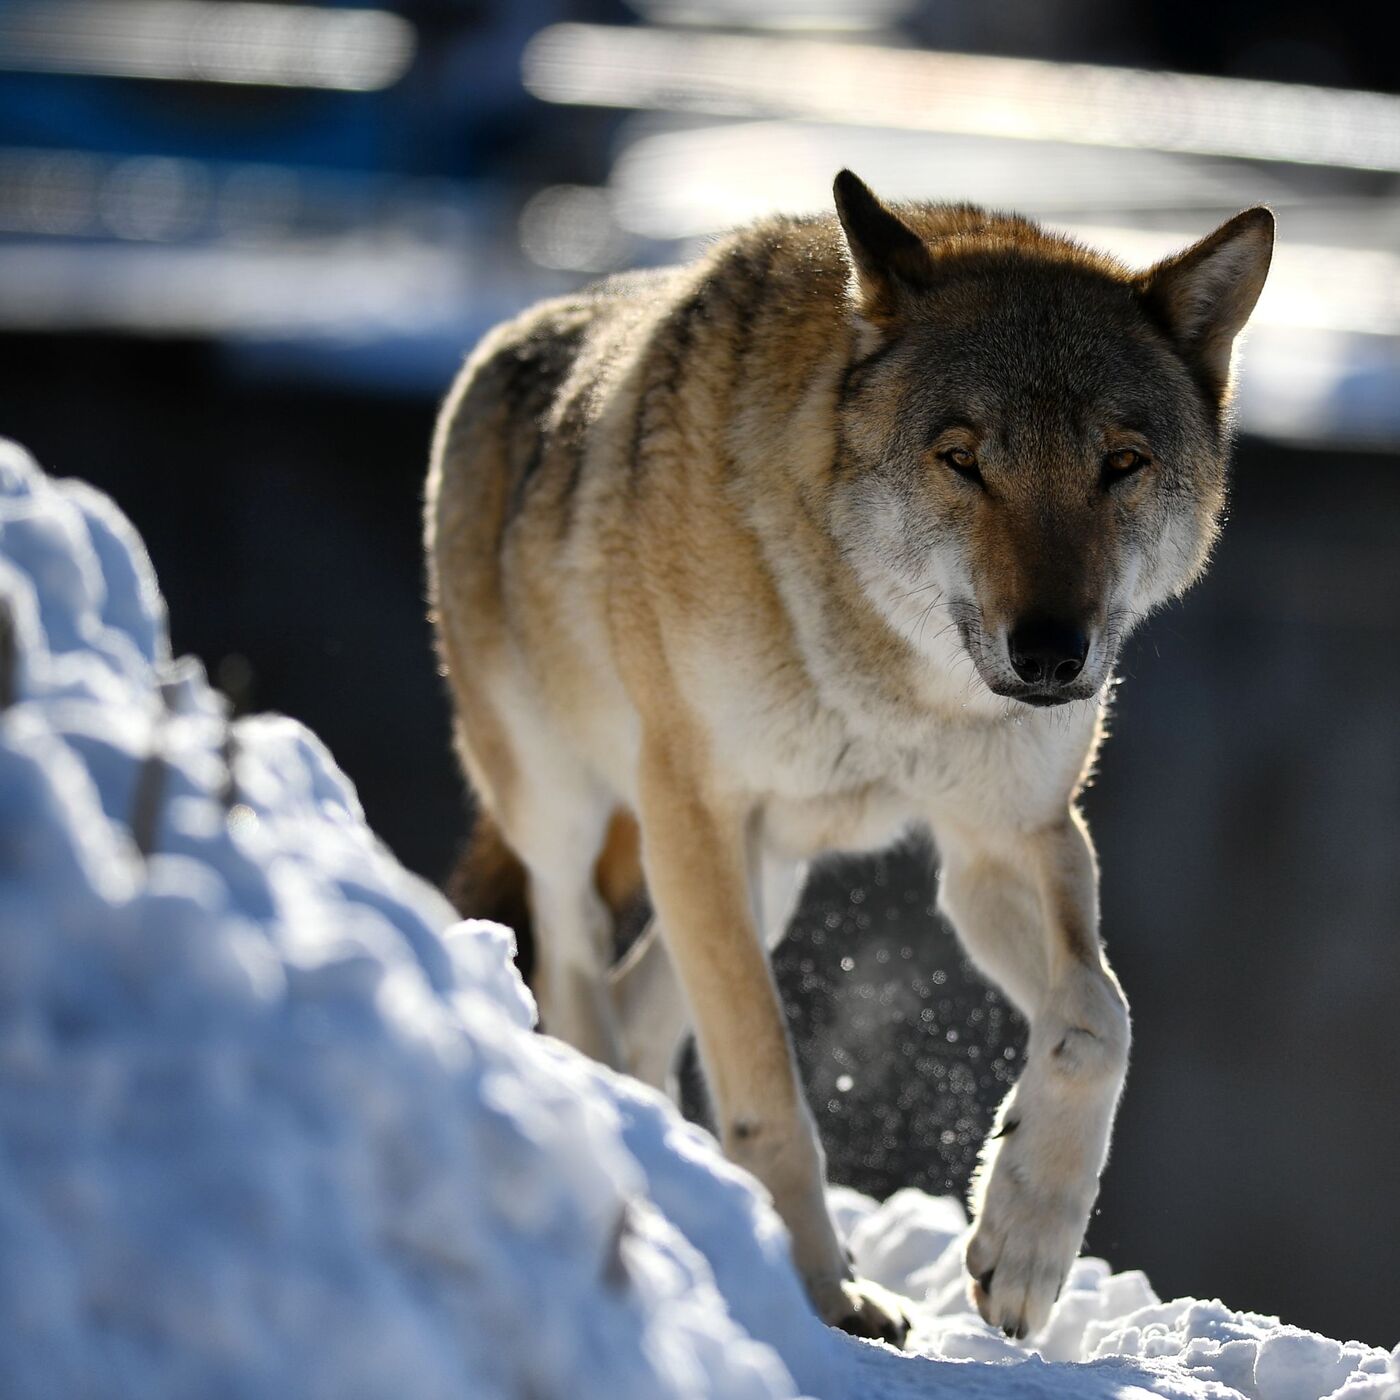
(694, 847)
(1026, 909)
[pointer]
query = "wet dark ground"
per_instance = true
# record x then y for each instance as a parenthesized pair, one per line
(904, 1049)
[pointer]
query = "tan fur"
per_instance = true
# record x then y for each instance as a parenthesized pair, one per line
(699, 564)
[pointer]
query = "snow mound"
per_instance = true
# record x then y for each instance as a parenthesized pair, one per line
(268, 1128)
(272, 1124)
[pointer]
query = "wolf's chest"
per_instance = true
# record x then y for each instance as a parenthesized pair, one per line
(825, 787)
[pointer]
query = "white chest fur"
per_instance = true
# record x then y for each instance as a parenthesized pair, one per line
(829, 775)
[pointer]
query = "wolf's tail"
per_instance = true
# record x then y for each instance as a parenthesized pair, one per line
(490, 882)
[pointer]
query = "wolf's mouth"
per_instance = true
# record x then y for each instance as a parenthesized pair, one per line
(1042, 697)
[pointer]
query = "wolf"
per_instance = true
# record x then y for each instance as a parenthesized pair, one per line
(833, 533)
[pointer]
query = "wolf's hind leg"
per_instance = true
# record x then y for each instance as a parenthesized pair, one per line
(777, 891)
(574, 929)
(651, 1010)
(1026, 909)
(558, 832)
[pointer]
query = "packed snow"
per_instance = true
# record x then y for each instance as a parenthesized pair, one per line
(272, 1124)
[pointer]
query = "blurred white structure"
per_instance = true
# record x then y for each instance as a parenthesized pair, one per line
(209, 41)
(732, 126)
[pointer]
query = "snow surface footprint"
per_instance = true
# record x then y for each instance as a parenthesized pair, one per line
(274, 1125)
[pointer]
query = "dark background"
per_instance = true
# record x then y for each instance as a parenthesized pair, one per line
(235, 306)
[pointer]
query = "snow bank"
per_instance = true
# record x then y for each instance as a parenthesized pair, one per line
(1109, 1334)
(271, 1125)
(266, 1130)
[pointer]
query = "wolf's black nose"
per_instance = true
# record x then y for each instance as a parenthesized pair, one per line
(1047, 652)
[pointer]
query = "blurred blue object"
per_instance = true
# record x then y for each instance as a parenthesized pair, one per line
(348, 191)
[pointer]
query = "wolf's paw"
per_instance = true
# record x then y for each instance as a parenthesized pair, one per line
(1022, 1248)
(864, 1309)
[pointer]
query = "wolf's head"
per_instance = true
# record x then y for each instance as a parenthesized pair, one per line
(1033, 438)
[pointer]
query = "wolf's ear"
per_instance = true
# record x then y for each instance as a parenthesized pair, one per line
(885, 251)
(1204, 296)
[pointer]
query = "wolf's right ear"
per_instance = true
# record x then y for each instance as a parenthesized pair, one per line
(1204, 296)
(885, 251)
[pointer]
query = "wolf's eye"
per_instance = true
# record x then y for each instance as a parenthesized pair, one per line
(1123, 463)
(963, 461)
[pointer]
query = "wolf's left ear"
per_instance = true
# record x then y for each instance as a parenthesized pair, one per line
(1204, 296)
(885, 251)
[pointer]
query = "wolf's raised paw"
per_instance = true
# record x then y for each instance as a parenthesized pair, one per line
(867, 1310)
(1021, 1251)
